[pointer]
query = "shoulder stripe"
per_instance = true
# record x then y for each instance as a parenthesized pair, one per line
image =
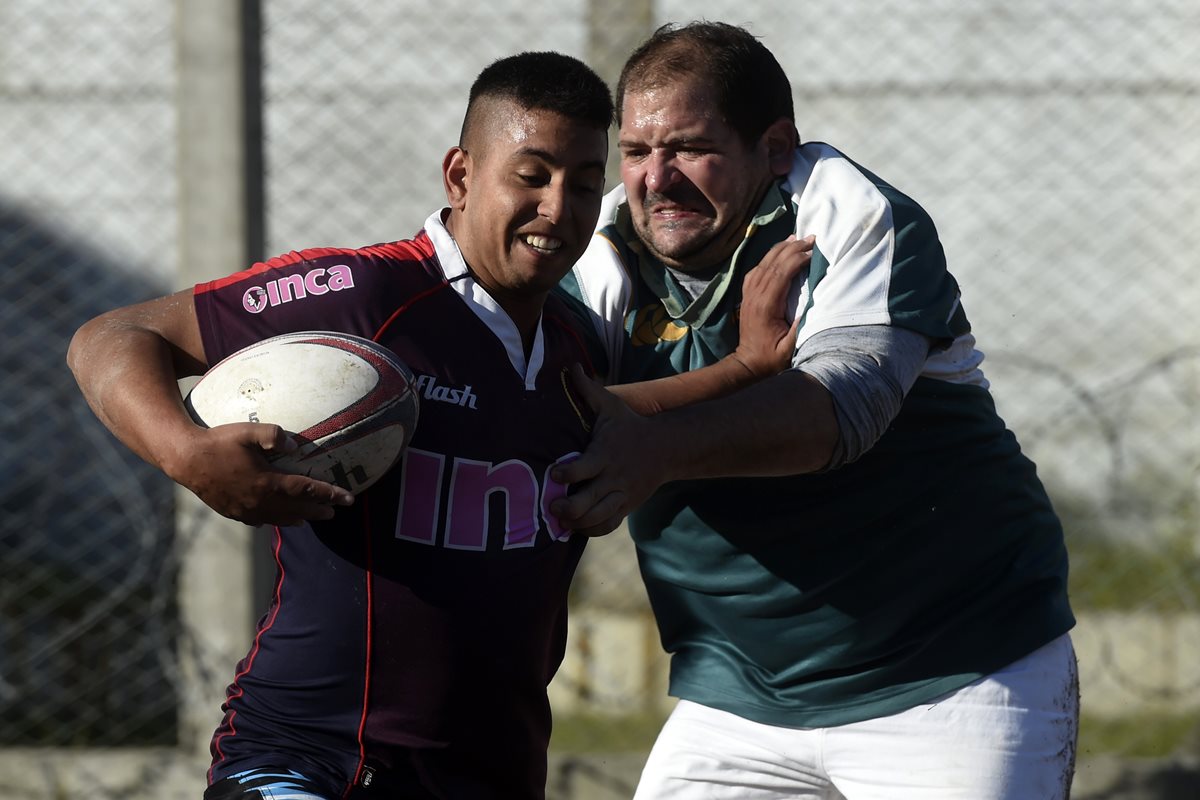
(585, 356)
(432, 290)
(418, 249)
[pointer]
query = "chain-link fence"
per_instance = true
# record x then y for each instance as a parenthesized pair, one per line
(1057, 146)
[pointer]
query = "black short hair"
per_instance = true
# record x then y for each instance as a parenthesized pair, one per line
(752, 90)
(543, 81)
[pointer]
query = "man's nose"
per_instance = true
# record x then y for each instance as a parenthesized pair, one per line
(553, 202)
(660, 171)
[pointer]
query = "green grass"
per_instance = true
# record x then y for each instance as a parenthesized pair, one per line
(1141, 736)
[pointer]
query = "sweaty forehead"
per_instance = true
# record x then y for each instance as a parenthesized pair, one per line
(509, 130)
(683, 108)
(499, 120)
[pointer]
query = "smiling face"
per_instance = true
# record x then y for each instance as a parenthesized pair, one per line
(524, 194)
(692, 182)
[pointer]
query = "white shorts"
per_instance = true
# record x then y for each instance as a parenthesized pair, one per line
(1008, 736)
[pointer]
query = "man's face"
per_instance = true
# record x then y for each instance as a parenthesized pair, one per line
(691, 181)
(525, 197)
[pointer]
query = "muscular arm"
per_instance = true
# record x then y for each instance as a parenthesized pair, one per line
(127, 363)
(785, 425)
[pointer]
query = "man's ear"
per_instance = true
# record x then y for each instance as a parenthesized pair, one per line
(456, 168)
(781, 140)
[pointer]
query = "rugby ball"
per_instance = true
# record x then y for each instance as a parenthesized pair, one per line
(348, 402)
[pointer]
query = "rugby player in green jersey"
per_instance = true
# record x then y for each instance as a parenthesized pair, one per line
(858, 575)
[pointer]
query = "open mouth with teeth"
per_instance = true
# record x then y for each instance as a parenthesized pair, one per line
(543, 244)
(674, 211)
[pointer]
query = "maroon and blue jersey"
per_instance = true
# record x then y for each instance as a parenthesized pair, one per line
(418, 629)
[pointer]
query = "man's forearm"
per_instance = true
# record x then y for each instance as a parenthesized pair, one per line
(664, 394)
(784, 425)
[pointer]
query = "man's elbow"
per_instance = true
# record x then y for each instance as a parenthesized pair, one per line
(818, 433)
(78, 348)
(823, 437)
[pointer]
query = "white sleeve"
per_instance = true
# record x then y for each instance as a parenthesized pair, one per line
(600, 279)
(877, 258)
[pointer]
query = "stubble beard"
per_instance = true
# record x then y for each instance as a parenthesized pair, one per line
(679, 253)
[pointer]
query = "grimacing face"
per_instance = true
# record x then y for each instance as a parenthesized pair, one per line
(525, 195)
(692, 183)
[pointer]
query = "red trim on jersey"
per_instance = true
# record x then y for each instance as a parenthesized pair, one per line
(362, 722)
(227, 727)
(574, 334)
(584, 412)
(415, 250)
(409, 304)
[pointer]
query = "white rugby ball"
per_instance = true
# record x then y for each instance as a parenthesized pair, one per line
(347, 401)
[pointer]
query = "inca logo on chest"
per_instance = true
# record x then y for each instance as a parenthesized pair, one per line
(428, 388)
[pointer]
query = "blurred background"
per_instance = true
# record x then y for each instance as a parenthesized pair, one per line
(146, 145)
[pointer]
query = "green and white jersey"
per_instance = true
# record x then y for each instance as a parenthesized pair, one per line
(817, 600)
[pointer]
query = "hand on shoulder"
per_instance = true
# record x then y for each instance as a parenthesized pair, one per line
(766, 327)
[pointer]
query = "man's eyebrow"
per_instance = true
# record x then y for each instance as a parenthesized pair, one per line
(549, 158)
(670, 141)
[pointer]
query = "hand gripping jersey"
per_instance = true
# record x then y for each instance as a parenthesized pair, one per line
(425, 621)
(823, 599)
